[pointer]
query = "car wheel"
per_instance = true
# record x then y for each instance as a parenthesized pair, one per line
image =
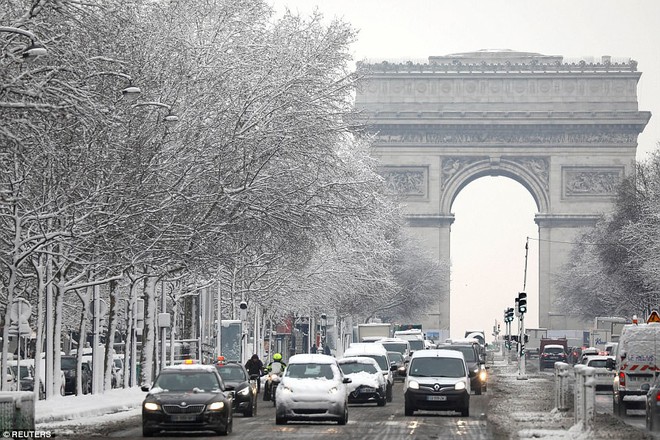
(465, 412)
(280, 420)
(228, 426)
(477, 390)
(344, 418)
(250, 412)
(649, 420)
(409, 410)
(381, 401)
(388, 393)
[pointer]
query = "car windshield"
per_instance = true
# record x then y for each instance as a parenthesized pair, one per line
(437, 367)
(553, 350)
(395, 356)
(231, 373)
(416, 344)
(381, 360)
(399, 347)
(357, 367)
(178, 381)
(68, 363)
(467, 350)
(25, 372)
(309, 371)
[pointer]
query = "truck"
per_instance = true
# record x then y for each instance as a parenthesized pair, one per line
(635, 363)
(415, 338)
(373, 331)
(533, 342)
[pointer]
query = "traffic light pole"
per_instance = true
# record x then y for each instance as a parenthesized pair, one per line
(522, 374)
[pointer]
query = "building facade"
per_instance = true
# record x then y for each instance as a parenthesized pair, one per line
(566, 131)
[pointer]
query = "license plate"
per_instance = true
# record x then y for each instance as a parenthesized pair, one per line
(436, 397)
(184, 417)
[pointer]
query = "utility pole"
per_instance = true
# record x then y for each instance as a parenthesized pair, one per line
(521, 303)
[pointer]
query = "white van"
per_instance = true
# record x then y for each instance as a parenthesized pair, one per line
(377, 352)
(635, 364)
(415, 338)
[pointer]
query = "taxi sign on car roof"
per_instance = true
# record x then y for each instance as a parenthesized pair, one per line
(654, 317)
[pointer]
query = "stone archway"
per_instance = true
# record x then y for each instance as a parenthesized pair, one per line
(566, 131)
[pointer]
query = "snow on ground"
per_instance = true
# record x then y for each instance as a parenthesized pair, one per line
(518, 409)
(525, 409)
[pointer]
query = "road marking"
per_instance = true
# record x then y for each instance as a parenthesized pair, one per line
(412, 426)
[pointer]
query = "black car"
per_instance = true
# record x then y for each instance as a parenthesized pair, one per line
(187, 397)
(397, 360)
(478, 375)
(68, 366)
(551, 354)
(245, 391)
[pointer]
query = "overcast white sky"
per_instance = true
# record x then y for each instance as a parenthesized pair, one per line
(495, 215)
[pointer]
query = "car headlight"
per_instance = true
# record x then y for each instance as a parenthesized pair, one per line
(151, 406)
(216, 406)
(333, 390)
(244, 392)
(413, 385)
(483, 375)
(459, 385)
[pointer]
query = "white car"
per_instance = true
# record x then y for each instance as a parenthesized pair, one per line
(603, 377)
(367, 381)
(313, 387)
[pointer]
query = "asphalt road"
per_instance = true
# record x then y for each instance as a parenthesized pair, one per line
(365, 422)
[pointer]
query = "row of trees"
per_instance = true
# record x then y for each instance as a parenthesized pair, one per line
(614, 269)
(266, 186)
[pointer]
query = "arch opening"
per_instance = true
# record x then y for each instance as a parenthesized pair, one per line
(493, 218)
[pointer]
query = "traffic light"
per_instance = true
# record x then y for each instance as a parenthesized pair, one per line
(508, 315)
(522, 302)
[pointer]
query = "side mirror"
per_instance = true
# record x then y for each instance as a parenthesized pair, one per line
(393, 367)
(254, 376)
(145, 388)
(347, 380)
(472, 374)
(229, 388)
(645, 387)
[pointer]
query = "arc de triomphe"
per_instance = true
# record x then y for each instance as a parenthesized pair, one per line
(566, 131)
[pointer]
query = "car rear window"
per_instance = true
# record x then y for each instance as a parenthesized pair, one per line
(598, 363)
(395, 346)
(553, 350)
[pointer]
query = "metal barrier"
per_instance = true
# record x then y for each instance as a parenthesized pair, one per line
(562, 372)
(585, 396)
(16, 411)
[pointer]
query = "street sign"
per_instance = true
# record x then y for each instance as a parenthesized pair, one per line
(25, 329)
(654, 317)
(103, 309)
(20, 310)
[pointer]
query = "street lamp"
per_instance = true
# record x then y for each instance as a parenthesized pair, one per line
(170, 118)
(35, 48)
(131, 92)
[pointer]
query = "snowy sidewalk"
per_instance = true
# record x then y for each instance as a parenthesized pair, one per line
(62, 408)
(524, 409)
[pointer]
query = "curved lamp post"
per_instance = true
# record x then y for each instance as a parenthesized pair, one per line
(170, 118)
(131, 92)
(35, 48)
